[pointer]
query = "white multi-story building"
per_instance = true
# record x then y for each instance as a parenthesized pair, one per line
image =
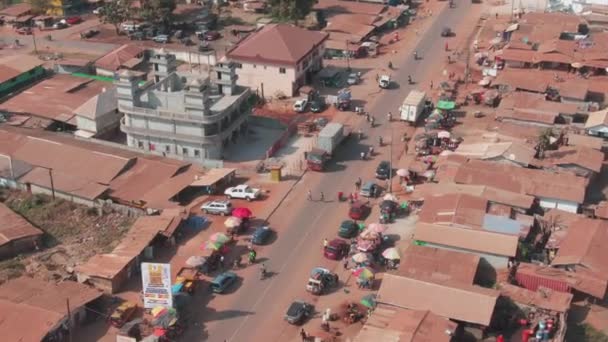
(183, 115)
(278, 59)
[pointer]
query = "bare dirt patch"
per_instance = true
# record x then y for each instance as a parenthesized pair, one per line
(73, 234)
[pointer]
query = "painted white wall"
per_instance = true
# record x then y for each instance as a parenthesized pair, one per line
(254, 75)
(552, 203)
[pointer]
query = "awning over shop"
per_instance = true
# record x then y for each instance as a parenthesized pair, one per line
(446, 105)
(213, 176)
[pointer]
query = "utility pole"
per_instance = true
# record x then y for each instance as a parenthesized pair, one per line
(390, 158)
(347, 57)
(34, 39)
(67, 302)
(52, 184)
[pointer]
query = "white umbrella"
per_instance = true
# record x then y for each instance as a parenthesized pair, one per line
(391, 254)
(195, 261)
(360, 257)
(403, 173)
(443, 135)
(390, 197)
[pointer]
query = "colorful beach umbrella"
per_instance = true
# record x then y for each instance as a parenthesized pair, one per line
(219, 238)
(369, 300)
(242, 213)
(390, 197)
(232, 222)
(214, 246)
(363, 273)
(391, 254)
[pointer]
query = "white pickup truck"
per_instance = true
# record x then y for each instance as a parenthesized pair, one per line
(243, 191)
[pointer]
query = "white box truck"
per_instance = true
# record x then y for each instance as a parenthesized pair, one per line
(330, 137)
(413, 106)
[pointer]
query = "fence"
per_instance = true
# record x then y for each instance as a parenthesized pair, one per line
(283, 139)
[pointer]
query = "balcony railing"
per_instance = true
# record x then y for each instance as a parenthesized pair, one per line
(165, 114)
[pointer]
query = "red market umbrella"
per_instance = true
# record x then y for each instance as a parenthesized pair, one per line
(242, 213)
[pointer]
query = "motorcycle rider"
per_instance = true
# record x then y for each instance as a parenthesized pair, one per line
(390, 116)
(390, 65)
(262, 271)
(380, 141)
(252, 256)
(415, 55)
(409, 79)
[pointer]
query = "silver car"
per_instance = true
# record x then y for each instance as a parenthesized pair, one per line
(217, 208)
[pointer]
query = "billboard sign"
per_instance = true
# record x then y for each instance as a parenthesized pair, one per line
(156, 285)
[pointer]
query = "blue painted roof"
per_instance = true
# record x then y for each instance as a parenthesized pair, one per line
(501, 224)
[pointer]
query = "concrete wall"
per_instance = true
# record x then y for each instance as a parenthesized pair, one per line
(551, 203)
(266, 78)
(35, 189)
(16, 247)
(191, 56)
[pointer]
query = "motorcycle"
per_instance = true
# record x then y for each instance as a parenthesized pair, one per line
(363, 156)
(263, 273)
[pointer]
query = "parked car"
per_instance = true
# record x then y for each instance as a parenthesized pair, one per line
(359, 210)
(60, 25)
(88, 33)
(336, 249)
(298, 311)
(317, 106)
(384, 82)
(383, 171)
(369, 189)
(211, 35)
(24, 30)
(222, 282)
(348, 229)
(161, 38)
(353, 78)
(261, 235)
(73, 20)
(300, 106)
(217, 208)
(243, 191)
(137, 35)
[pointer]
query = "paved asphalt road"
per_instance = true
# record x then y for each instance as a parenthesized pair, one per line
(256, 312)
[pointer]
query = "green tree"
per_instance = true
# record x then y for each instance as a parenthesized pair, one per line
(40, 6)
(115, 13)
(158, 11)
(291, 10)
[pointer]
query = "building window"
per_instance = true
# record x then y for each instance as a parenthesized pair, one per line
(238, 65)
(254, 66)
(140, 144)
(264, 67)
(282, 70)
(197, 153)
(315, 53)
(167, 148)
(185, 151)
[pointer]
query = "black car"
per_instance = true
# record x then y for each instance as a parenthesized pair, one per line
(348, 229)
(446, 32)
(383, 171)
(298, 311)
(260, 235)
(317, 106)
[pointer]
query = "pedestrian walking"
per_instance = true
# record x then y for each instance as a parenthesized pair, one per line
(303, 335)
(345, 264)
(309, 195)
(446, 46)
(325, 242)
(377, 77)
(431, 85)
(358, 184)
(416, 31)
(322, 196)
(222, 261)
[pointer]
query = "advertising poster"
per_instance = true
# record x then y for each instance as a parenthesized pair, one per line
(156, 285)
